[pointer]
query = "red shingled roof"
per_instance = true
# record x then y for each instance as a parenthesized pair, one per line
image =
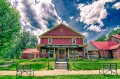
(115, 46)
(103, 45)
(117, 36)
(30, 51)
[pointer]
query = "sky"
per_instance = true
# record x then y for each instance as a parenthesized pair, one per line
(91, 18)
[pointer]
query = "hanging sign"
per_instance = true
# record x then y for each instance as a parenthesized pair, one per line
(61, 46)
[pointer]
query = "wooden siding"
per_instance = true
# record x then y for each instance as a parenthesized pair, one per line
(91, 47)
(79, 40)
(116, 53)
(67, 41)
(114, 39)
(44, 41)
(66, 32)
(104, 54)
(61, 41)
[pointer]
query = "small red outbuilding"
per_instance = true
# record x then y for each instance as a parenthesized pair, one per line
(30, 54)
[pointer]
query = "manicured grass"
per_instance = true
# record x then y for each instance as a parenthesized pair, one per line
(64, 77)
(85, 64)
(39, 64)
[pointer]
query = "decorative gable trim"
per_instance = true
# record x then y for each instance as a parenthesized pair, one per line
(43, 35)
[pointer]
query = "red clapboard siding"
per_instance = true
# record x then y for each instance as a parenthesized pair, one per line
(66, 32)
(61, 41)
(79, 40)
(44, 40)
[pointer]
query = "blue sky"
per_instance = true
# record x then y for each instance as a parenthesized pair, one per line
(92, 18)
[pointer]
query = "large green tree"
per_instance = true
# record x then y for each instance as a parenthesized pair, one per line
(101, 38)
(25, 40)
(104, 38)
(114, 32)
(9, 26)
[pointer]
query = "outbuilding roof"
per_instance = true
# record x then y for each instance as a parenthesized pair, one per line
(31, 51)
(103, 45)
(115, 46)
(117, 36)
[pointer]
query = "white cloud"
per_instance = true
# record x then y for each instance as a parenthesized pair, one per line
(85, 34)
(117, 5)
(71, 17)
(94, 28)
(65, 23)
(39, 10)
(118, 27)
(92, 14)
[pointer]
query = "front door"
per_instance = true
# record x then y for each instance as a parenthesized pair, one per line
(61, 53)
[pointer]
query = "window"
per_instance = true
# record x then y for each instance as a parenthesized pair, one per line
(61, 30)
(71, 53)
(49, 40)
(43, 51)
(51, 53)
(73, 40)
(80, 53)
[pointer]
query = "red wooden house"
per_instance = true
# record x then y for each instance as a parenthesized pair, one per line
(61, 42)
(30, 53)
(108, 49)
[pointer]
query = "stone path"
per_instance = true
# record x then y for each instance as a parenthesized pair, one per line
(54, 72)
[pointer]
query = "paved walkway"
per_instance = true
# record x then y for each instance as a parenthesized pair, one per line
(54, 72)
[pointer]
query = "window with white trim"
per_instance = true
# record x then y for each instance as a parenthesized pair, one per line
(43, 51)
(49, 40)
(73, 40)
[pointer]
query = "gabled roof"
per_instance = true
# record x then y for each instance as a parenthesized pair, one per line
(57, 27)
(30, 51)
(91, 47)
(115, 46)
(103, 45)
(117, 36)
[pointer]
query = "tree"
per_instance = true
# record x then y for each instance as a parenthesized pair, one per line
(25, 40)
(101, 38)
(9, 26)
(114, 32)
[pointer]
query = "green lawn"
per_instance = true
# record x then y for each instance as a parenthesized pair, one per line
(85, 64)
(42, 64)
(64, 77)
(39, 64)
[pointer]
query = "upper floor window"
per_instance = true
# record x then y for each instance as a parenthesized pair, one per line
(73, 40)
(49, 40)
(61, 30)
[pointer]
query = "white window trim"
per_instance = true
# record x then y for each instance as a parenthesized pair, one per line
(49, 42)
(72, 40)
(42, 51)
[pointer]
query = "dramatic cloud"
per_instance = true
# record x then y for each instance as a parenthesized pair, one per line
(85, 34)
(117, 5)
(93, 14)
(36, 15)
(94, 28)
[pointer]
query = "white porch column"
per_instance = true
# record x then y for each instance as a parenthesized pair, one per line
(68, 53)
(54, 53)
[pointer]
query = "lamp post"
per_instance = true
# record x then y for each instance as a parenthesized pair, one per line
(73, 57)
(48, 59)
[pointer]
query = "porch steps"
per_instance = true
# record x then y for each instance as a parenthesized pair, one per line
(61, 64)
